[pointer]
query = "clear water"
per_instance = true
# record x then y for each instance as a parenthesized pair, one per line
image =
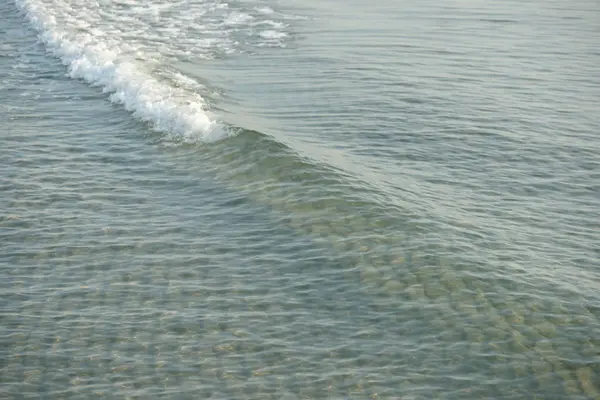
(300, 200)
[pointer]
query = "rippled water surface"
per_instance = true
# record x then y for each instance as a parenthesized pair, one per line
(300, 200)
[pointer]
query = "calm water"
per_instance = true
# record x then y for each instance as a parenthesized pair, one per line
(300, 199)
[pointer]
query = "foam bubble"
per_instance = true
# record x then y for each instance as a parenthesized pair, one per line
(237, 18)
(272, 34)
(106, 64)
(265, 10)
(274, 24)
(129, 48)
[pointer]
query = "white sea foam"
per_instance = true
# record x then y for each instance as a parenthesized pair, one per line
(104, 63)
(272, 34)
(274, 24)
(265, 10)
(238, 18)
(128, 48)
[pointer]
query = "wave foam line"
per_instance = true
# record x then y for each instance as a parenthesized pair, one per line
(168, 109)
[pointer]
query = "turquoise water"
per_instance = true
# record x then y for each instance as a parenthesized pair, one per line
(299, 200)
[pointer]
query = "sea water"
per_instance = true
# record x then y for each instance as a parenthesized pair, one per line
(299, 200)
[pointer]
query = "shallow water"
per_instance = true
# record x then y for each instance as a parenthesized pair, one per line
(263, 199)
